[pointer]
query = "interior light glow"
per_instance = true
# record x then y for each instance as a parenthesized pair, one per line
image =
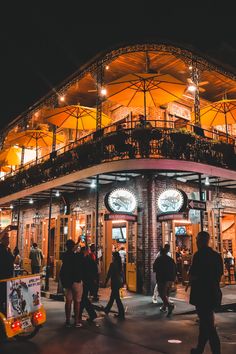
(207, 181)
(57, 194)
(62, 98)
(103, 92)
(93, 184)
(31, 201)
(192, 88)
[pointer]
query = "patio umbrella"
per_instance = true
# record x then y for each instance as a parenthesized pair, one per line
(145, 89)
(35, 138)
(75, 117)
(5, 169)
(10, 156)
(221, 112)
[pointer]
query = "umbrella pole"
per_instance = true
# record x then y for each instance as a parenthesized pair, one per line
(49, 239)
(226, 126)
(97, 215)
(36, 149)
(22, 156)
(18, 225)
(145, 103)
(76, 129)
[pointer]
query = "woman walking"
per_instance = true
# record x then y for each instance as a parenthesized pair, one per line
(115, 274)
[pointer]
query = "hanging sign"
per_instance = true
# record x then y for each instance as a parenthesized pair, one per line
(121, 200)
(172, 201)
(126, 217)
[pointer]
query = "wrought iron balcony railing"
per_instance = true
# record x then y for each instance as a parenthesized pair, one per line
(152, 139)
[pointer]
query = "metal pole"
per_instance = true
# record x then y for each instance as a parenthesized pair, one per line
(97, 215)
(200, 193)
(49, 239)
(18, 225)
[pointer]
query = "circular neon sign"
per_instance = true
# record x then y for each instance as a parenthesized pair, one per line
(121, 200)
(172, 201)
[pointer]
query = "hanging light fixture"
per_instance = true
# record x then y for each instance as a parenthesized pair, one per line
(207, 181)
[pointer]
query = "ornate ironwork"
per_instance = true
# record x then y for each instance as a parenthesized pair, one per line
(195, 73)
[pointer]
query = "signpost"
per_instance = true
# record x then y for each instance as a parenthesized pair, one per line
(196, 204)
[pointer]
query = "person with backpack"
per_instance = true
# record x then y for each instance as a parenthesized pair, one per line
(165, 269)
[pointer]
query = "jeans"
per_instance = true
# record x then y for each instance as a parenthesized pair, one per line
(207, 330)
(115, 295)
(86, 304)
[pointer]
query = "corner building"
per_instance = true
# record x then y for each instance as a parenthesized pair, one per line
(137, 149)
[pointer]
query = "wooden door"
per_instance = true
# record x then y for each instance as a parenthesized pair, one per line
(131, 258)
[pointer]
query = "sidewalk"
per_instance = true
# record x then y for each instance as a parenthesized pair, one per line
(180, 296)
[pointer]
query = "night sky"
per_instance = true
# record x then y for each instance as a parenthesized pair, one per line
(43, 42)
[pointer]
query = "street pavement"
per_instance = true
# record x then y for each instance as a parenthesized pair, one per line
(144, 331)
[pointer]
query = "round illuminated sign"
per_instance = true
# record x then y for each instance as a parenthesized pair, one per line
(121, 200)
(172, 201)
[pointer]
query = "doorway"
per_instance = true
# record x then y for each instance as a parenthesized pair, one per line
(121, 236)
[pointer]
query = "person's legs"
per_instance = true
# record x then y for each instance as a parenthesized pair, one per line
(207, 331)
(162, 289)
(85, 303)
(121, 311)
(69, 297)
(110, 302)
(77, 291)
(155, 295)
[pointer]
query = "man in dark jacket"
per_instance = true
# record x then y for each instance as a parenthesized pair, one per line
(165, 269)
(6, 266)
(205, 274)
(71, 275)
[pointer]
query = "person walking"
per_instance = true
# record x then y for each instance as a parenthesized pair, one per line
(88, 279)
(36, 257)
(6, 265)
(165, 269)
(17, 261)
(204, 276)
(115, 274)
(94, 285)
(71, 274)
(155, 291)
(6, 257)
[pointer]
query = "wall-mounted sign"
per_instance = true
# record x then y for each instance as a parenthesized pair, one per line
(126, 217)
(121, 200)
(177, 216)
(196, 204)
(172, 201)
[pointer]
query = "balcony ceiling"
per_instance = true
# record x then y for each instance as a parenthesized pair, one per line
(84, 185)
(215, 84)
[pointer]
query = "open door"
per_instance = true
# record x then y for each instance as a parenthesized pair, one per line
(131, 261)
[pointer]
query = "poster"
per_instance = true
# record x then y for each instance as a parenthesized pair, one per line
(23, 296)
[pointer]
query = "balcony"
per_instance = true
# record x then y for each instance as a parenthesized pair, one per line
(156, 140)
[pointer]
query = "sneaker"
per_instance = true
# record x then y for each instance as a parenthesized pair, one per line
(163, 309)
(68, 325)
(154, 300)
(78, 325)
(170, 309)
(195, 351)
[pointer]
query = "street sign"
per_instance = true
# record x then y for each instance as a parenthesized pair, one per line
(196, 204)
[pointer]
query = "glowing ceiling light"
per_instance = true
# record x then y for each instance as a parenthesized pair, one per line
(62, 98)
(103, 92)
(93, 184)
(57, 194)
(31, 201)
(192, 88)
(11, 206)
(207, 181)
(107, 67)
